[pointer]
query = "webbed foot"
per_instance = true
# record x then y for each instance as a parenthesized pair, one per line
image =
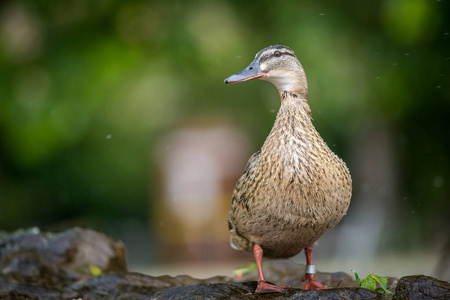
(266, 288)
(311, 283)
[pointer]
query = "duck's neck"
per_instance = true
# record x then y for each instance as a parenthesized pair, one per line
(293, 127)
(295, 104)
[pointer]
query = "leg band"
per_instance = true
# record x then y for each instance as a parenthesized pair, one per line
(310, 269)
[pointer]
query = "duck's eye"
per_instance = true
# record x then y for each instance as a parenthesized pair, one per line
(277, 54)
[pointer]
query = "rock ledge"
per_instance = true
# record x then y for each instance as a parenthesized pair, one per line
(45, 265)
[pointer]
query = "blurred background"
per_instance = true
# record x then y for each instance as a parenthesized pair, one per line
(114, 116)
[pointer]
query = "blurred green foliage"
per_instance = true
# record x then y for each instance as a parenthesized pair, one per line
(88, 88)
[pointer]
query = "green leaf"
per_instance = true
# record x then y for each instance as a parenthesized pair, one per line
(370, 283)
(95, 271)
(358, 280)
(382, 281)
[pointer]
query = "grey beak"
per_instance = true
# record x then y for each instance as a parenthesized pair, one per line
(253, 71)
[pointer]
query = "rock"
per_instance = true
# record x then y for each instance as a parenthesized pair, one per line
(51, 257)
(139, 286)
(121, 286)
(133, 285)
(42, 265)
(421, 287)
(246, 291)
(11, 289)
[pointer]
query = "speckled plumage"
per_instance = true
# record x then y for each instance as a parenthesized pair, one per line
(295, 188)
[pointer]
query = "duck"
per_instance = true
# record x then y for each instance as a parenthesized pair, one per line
(295, 188)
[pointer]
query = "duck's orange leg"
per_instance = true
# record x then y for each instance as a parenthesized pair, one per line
(310, 270)
(263, 286)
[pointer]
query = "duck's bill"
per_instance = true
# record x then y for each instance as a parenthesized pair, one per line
(253, 71)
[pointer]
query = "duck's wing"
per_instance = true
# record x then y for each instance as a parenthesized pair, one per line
(245, 185)
(239, 205)
(254, 159)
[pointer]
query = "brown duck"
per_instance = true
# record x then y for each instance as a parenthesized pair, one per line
(295, 188)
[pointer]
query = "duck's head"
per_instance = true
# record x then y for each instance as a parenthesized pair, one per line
(279, 65)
